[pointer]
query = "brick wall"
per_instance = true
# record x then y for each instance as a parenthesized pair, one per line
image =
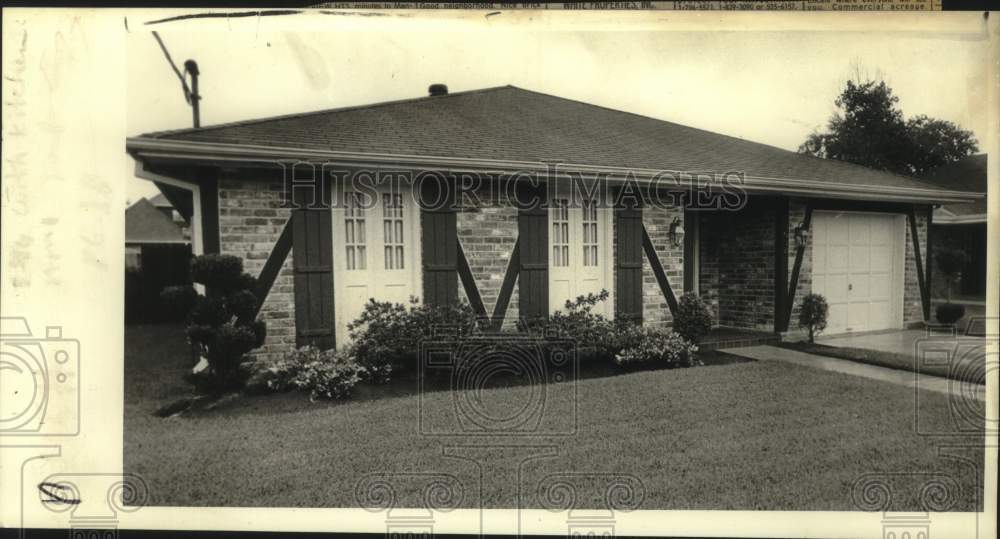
(655, 311)
(912, 308)
(796, 214)
(737, 264)
(487, 234)
(250, 222)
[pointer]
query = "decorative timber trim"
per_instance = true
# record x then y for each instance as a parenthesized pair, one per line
(469, 281)
(793, 284)
(272, 267)
(925, 297)
(661, 276)
(507, 288)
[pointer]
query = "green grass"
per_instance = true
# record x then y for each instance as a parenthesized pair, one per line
(756, 435)
(966, 369)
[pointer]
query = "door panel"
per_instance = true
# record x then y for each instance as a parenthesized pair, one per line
(376, 255)
(857, 266)
(579, 251)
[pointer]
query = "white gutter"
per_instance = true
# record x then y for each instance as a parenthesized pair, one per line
(196, 239)
(145, 147)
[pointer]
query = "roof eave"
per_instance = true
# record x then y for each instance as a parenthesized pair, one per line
(144, 148)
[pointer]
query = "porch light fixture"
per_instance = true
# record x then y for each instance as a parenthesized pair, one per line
(676, 232)
(801, 235)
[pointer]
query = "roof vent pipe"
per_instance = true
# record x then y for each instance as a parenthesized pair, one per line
(437, 89)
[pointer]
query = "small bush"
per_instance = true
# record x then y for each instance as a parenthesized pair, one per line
(325, 374)
(386, 336)
(694, 319)
(813, 314)
(655, 348)
(592, 333)
(949, 313)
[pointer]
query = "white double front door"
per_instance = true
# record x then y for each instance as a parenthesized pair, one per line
(580, 250)
(857, 264)
(376, 251)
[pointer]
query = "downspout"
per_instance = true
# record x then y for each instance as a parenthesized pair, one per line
(197, 242)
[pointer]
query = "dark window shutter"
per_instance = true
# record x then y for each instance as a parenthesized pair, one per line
(312, 257)
(439, 242)
(628, 261)
(533, 239)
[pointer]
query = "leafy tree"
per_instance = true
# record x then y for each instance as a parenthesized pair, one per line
(868, 129)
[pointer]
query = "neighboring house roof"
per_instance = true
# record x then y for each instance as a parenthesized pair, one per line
(160, 201)
(968, 174)
(146, 224)
(510, 128)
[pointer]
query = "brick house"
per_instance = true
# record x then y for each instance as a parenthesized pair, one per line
(489, 196)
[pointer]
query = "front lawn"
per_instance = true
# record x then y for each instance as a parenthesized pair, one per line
(965, 369)
(758, 435)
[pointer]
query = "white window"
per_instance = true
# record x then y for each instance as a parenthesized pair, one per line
(590, 244)
(392, 230)
(560, 232)
(355, 255)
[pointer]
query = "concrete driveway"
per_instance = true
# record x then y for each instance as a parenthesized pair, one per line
(906, 342)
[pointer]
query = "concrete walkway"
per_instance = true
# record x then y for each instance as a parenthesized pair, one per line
(898, 342)
(893, 376)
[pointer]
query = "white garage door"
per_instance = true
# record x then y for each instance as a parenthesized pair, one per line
(857, 266)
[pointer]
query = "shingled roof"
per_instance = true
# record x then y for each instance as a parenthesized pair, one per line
(146, 224)
(512, 124)
(967, 174)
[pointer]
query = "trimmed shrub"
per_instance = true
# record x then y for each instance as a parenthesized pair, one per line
(386, 336)
(655, 348)
(694, 318)
(325, 374)
(592, 333)
(813, 314)
(177, 301)
(949, 313)
(220, 324)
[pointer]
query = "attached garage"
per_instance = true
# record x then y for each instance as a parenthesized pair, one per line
(858, 266)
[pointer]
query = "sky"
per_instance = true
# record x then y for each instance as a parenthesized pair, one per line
(767, 86)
